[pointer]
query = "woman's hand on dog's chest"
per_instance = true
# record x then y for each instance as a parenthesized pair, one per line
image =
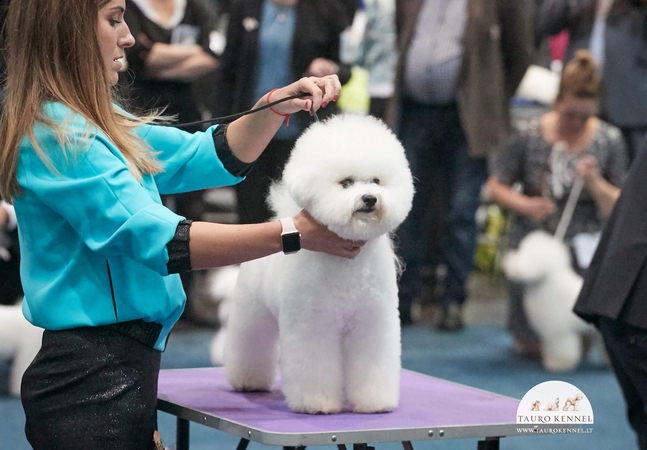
(318, 238)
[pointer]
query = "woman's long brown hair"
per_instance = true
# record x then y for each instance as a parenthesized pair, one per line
(53, 54)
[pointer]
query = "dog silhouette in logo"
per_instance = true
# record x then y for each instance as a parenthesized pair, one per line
(572, 402)
(535, 406)
(553, 406)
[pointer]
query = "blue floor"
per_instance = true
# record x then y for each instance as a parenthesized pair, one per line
(478, 357)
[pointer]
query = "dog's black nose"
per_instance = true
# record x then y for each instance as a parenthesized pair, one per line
(369, 200)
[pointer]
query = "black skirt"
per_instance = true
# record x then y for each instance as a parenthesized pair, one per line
(92, 388)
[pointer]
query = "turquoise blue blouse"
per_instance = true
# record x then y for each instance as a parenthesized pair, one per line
(93, 239)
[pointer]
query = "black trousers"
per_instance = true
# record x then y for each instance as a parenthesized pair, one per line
(91, 388)
(449, 179)
(627, 348)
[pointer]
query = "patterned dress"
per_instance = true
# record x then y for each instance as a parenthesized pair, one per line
(530, 163)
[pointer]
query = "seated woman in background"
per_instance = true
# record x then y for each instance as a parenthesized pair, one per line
(544, 157)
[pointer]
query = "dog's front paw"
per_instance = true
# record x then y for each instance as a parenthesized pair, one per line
(250, 383)
(315, 404)
(376, 396)
(248, 379)
(559, 365)
(374, 406)
(251, 386)
(247, 388)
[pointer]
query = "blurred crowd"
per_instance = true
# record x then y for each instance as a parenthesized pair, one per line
(446, 76)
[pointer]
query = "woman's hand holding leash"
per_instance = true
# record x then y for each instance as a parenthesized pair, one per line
(322, 91)
(587, 168)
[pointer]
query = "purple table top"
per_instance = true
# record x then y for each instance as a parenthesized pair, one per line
(429, 408)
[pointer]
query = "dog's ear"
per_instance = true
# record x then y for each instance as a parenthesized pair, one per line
(299, 184)
(280, 200)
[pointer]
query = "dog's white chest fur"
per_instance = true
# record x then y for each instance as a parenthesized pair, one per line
(328, 285)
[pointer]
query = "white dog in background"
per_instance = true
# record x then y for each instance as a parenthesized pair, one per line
(335, 320)
(551, 286)
(20, 341)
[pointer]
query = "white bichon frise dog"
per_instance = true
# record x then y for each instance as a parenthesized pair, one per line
(551, 286)
(335, 320)
(20, 341)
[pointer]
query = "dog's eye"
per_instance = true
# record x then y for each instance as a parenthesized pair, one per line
(376, 181)
(346, 182)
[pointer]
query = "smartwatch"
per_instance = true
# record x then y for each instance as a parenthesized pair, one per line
(290, 237)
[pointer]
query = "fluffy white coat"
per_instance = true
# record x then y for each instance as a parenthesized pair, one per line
(551, 286)
(335, 320)
(20, 341)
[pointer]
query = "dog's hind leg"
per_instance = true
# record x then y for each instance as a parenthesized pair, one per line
(561, 353)
(251, 347)
(311, 366)
(372, 364)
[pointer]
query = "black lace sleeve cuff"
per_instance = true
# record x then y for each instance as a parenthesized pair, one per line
(179, 254)
(234, 165)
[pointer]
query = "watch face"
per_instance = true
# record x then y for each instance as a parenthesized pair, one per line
(291, 242)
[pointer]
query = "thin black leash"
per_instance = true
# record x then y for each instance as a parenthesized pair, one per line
(314, 113)
(231, 118)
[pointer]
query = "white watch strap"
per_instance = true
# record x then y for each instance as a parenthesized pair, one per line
(287, 225)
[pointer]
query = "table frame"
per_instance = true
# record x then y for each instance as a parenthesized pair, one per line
(182, 436)
(489, 435)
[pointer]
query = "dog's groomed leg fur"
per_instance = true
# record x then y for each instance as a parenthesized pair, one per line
(561, 353)
(251, 348)
(372, 364)
(311, 367)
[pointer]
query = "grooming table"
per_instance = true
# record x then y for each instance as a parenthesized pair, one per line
(430, 408)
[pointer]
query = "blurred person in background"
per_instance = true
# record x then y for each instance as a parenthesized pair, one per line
(614, 294)
(4, 6)
(271, 43)
(171, 51)
(10, 286)
(377, 53)
(170, 54)
(460, 62)
(545, 156)
(615, 32)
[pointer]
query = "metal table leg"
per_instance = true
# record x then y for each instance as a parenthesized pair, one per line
(406, 445)
(242, 445)
(362, 447)
(488, 444)
(182, 434)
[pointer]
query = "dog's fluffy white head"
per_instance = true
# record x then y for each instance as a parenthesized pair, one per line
(539, 254)
(351, 173)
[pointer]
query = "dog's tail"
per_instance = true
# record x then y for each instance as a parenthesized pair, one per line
(280, 201)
